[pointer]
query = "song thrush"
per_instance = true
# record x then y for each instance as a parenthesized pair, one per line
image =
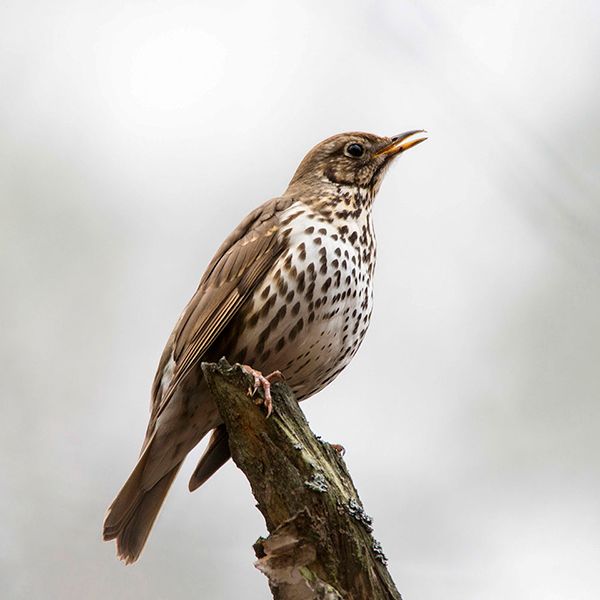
(290, 289)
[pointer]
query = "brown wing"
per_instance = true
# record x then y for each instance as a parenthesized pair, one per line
(238, 266)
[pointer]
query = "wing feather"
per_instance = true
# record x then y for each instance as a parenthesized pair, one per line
(236, 269)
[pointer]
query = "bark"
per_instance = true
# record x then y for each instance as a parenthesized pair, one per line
(320, 543)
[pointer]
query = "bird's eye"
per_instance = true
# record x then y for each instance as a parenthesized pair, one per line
(355, 150)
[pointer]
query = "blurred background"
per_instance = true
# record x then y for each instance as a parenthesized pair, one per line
(135, 135)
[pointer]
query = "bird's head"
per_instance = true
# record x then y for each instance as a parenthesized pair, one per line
(356, 160)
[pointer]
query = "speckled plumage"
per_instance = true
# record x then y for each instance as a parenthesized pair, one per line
(310, 312)
(290, 290)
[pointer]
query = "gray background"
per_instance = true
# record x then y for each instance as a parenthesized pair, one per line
(135, 135)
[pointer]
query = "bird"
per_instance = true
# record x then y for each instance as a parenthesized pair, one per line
(290, 291)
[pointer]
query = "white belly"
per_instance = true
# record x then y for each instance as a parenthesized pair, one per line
(317, 304)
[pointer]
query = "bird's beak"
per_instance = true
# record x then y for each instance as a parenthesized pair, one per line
(400, 143)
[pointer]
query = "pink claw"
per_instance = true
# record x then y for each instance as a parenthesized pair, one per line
(339, 448)
(265, 382)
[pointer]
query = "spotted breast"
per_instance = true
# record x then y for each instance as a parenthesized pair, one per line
(310, 314)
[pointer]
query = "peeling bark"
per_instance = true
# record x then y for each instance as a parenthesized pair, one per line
(320, 543)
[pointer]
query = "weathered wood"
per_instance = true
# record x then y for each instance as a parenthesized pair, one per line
(320, 543)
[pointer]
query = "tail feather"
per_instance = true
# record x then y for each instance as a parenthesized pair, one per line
(217, 453)
(132, 537)
(130, 517)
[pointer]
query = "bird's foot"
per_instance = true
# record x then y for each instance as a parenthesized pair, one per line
(339, 448)
(263, 381)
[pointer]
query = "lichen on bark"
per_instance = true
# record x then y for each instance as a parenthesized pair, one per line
(320, 543)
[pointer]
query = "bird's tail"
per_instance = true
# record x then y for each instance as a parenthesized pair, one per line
(217, 453)
(130, 517)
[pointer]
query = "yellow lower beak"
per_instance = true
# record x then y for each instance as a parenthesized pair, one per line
(400, 143)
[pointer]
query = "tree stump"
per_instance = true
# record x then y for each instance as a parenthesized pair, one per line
(320, 543)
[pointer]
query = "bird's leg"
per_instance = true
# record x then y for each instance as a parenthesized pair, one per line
(339, 448)
(265, 382)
